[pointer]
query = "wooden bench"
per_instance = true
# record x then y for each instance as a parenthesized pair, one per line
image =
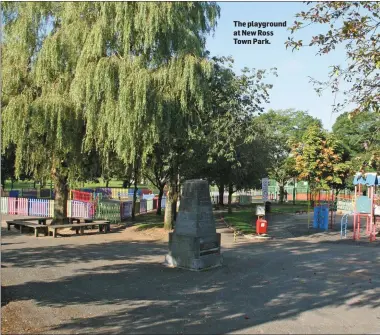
(41, 220)
(104, 226)
(77, 220)
(35, 226)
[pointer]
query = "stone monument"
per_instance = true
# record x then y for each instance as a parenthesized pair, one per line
(194, 244)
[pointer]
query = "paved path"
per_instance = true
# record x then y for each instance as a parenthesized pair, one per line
(106, 284)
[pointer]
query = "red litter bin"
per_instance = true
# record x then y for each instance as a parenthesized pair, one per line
(261, 226)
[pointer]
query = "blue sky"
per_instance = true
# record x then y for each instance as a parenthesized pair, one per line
(292, 88)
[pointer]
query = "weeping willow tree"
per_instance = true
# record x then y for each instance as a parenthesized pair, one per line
(108, 76)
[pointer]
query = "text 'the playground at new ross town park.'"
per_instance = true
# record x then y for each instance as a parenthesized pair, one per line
(254, 32)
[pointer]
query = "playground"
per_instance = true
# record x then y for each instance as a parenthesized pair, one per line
(162, 175)
(117, 283)
(318, 272)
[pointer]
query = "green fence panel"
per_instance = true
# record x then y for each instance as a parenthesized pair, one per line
(108, 211)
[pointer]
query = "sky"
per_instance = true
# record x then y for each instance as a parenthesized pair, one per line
(292, 87)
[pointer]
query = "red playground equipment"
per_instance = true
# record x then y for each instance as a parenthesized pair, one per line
(364, 204)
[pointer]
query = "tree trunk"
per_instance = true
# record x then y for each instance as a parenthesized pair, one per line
(281, 189)
(294, 192)
(126, 184)
(134, 200)
(12, 182)
(160, 195)
(34, 184)
(61, 190)
(221, 194)
(171, 201)
(107, 183)
(230, 191)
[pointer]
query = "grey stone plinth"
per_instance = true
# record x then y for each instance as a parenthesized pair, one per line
(194, 244)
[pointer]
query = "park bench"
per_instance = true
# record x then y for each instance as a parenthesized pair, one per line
(41, 220)
(35, 226)
(104, 226)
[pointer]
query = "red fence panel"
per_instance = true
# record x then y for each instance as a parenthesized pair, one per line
(12, 206)
(81, 196)
(22, 206)
(18, 206)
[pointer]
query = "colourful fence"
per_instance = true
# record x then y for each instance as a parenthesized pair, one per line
(81, 196)
(81, 209)
(14, 193)
(143, 207)
(41, 207)
(111, 210)
(105, 191)
(126, 209)
(18, 206)
(108, 210)
(149, 205)
(28, 193)
(4, 205)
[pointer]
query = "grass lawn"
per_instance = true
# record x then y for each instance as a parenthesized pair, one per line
(243, 216)
(150, 220)
(241, 219)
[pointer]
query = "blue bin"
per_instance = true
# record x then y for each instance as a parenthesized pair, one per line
(321, 217)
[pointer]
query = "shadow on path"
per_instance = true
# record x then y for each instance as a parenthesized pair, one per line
(259, 283)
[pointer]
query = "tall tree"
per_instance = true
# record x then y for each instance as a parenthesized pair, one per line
(98, 76)
(361, 135)
(321, 160)
(7, 166)
(281, 128)
(227, 127)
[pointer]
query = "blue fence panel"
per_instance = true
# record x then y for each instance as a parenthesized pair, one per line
(38, 207)
(14, 193)
(163, 202)
(148, 196)
(46, 193)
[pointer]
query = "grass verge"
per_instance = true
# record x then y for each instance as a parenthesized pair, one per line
(241, 220)
(149, 221)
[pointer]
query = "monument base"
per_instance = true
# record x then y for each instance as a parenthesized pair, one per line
(194, 253)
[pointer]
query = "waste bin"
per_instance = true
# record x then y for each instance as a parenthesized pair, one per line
(260, 210)
(261, 226)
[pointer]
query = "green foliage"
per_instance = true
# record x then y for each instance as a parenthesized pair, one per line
(228, 134)
(106, 77)
(321, 159)
(354, 25)
(361, 135)
(282, 128)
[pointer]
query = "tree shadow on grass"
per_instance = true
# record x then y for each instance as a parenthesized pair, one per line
(259, 283)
